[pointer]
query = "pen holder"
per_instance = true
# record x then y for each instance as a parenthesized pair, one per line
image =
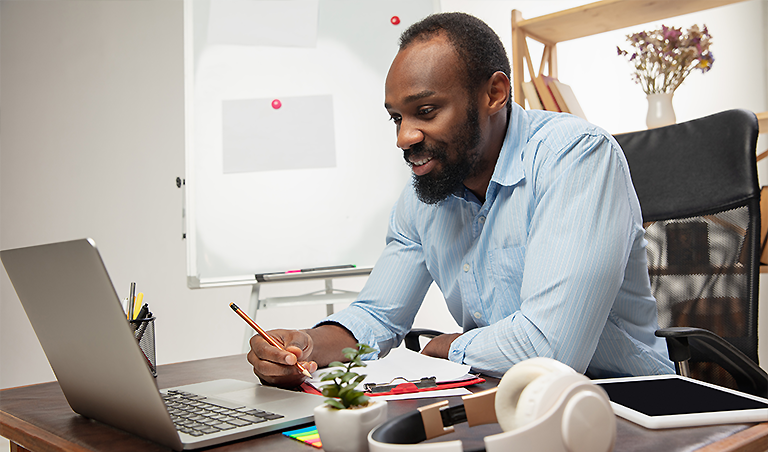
(144, 331)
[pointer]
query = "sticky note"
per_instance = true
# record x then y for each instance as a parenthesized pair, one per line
(307, 436)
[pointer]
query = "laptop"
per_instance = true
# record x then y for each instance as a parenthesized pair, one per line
(78, 318)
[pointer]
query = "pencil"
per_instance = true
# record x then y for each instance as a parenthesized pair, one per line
(264, 334)
(131, 298)
(137, 305)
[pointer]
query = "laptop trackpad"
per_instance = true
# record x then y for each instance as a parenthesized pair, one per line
(240, 393)
(257, 396)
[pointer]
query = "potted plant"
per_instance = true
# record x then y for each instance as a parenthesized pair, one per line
(662, 59)
(347, 416)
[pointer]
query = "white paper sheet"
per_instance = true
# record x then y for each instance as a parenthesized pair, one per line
(440, 393)
(284, 23)
(401, 362)
(299, 134)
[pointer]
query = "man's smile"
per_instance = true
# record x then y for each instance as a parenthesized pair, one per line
(420, 163)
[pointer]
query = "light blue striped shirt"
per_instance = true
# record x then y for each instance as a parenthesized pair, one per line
(552, 264)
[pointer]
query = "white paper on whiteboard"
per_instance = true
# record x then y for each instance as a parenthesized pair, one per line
(297, 135)
(283, 23)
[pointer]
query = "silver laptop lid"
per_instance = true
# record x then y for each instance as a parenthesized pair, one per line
(76, 314)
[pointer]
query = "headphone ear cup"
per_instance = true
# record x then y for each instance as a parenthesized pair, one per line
(588, 422)
(515, 381)
(542, 394)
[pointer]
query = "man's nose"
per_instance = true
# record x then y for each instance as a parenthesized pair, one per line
(408, 135)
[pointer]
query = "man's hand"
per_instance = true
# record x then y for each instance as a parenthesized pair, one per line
(313, 348)
(440, 346)
(278, 367)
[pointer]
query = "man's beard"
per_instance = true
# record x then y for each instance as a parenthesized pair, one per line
(435, 186)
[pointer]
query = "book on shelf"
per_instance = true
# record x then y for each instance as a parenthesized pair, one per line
(562, 97)
(529, 90)
(566, 99)
(550, 81)
(559, 105)
(547, 99)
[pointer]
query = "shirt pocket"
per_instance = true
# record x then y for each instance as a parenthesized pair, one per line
(507, 267)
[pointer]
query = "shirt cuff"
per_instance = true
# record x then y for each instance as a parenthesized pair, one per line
(358, 329)
(459, 346)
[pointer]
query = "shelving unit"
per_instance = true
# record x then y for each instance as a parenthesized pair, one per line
(587, 20)
(762, 121)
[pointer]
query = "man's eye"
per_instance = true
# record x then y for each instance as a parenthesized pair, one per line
(395, 119)
(426, 110)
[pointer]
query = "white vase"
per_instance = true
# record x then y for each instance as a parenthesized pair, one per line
(660, 110)
(347, 430)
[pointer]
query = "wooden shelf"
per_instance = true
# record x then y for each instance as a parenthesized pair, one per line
(586, 20)
(762, 121)
(609, 15)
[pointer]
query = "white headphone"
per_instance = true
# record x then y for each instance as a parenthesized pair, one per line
(541, 404)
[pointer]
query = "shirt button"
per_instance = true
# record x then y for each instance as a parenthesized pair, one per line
(481, 220)
(466, 267)
(478, 315)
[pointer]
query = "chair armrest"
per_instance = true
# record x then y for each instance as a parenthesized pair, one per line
(749, 377)
(412, 338)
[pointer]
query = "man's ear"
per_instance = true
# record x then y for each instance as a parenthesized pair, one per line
(496, 93)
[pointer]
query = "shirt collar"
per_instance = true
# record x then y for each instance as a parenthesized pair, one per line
(509, 168)
(507, 172)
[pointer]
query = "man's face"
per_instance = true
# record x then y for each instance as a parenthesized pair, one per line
(437, 120)
(457, 158)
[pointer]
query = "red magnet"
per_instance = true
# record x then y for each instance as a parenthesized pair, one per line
(276, 104)
(395, 20)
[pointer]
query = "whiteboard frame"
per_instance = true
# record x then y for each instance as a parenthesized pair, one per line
(194, 277)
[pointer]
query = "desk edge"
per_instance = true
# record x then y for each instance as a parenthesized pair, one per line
(754, 438)
(32, 437)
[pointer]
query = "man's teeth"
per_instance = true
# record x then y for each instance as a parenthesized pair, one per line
(421, 162)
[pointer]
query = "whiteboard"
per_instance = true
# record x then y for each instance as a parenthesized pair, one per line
(290, 158)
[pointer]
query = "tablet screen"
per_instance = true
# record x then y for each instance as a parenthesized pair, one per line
(673, 401)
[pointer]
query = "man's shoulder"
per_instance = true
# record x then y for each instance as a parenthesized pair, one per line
(552, 134)
(559, 127)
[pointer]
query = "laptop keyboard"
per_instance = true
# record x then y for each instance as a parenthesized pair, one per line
(197, 415)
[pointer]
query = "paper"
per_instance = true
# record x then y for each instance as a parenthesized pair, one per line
(284, 23)
(401, 362)
(441, 393)
(298, 134)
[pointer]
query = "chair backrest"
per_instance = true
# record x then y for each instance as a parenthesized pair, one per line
(699, 195)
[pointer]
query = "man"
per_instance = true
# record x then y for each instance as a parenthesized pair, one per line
(526, 220)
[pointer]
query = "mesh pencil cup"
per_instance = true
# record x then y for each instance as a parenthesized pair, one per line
(144, 331)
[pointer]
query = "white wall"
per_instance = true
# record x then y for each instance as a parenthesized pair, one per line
(92, 137)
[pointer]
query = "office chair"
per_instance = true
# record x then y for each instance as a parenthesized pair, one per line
(699, 195)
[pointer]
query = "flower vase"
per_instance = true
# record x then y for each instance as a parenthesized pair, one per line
(347, 430)
(660, 110)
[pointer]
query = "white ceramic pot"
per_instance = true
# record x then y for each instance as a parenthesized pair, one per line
(660, 110)
(347, 430)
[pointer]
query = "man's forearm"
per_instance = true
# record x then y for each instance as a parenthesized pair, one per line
(327, 343)
(440, 346)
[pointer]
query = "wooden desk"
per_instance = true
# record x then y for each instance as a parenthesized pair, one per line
(37, 418)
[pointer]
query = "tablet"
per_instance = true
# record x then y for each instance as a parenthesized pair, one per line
(667, 401)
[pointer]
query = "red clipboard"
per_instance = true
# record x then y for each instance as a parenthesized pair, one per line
(410, 388)
(406, 388)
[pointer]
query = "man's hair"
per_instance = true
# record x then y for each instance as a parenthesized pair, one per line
(476, 44)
